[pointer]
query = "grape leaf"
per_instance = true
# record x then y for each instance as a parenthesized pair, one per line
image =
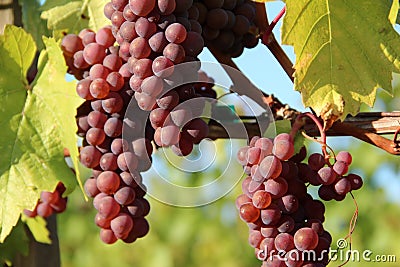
(32, 22)
(37, 123)
(38, 228)
(345, 51)
(15, 243)
(74, 16)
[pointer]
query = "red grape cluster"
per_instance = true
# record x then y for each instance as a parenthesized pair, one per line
(49, 203)
(225, 24)
(284, 220)
(129, 76)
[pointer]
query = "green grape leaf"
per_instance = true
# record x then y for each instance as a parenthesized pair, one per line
(74, 16)
(32, 22)
(16, 243)
(37, 124)
(345, 51)
(38, 228)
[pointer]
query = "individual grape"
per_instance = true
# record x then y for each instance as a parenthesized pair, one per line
(284, 242)
(174, 52)
(180, 116)
(305, 239)
(83, 89)
(193, 13)
(158, 42)
(108, 182)
(119, 146)
(286, 224)
(90, 187)
(344, 156)
(131, 178)
(229, 4)
(183, 5)
(241, 199)
(144, 28)
(265, 144)
(316, 225)
(283, 149)
(102, 222)
(225, 40)
(119, 4)
(113, 127)
(94, 53)
(108, 10)
(112, 62)
(197, 129)
(95, 136)
(98, 71)
(107, 236)
(212, 4)
(49, 197)
(268, 246)
(270, 167)
(342, 186)
(355, 181)
(175, 33)
(104, 37)
(113, 103)
(163, 67)
(166, 7)
(142, 148)
(261, 199)
(141, 227)
(44, 209)
(115, 81)
(128, 14)
(241, 26)
(96, 119)
(271, 215)
(288, 204)
(90, 156)
(269, 231)
(142, 7)
(127, 161)
(276, 187)
(249, 213)
(107, 207)
(246, 9)
(250, 40)
(88, 38)
(242, 156)
(122, 225)
(70, 44)
(254, 155)
(217, 18)
(157, 117)
(140, 48)
(145, 101)
(170, 135)
(79, 61)
(327, 175)
(294, 258)
(143, 68)
(108, 162)
(168, 101)
(340, 167)
(255, 186)
(98, 198)
(255, 238)
(327, 192)
(316, 161)
(99, 88)
(152, 86)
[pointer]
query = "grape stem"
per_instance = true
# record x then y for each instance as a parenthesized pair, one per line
(299, 122)
(268, 31)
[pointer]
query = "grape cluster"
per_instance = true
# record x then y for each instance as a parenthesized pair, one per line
(283, 219)
(135, 96)
(49, 203)
(226, 24)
